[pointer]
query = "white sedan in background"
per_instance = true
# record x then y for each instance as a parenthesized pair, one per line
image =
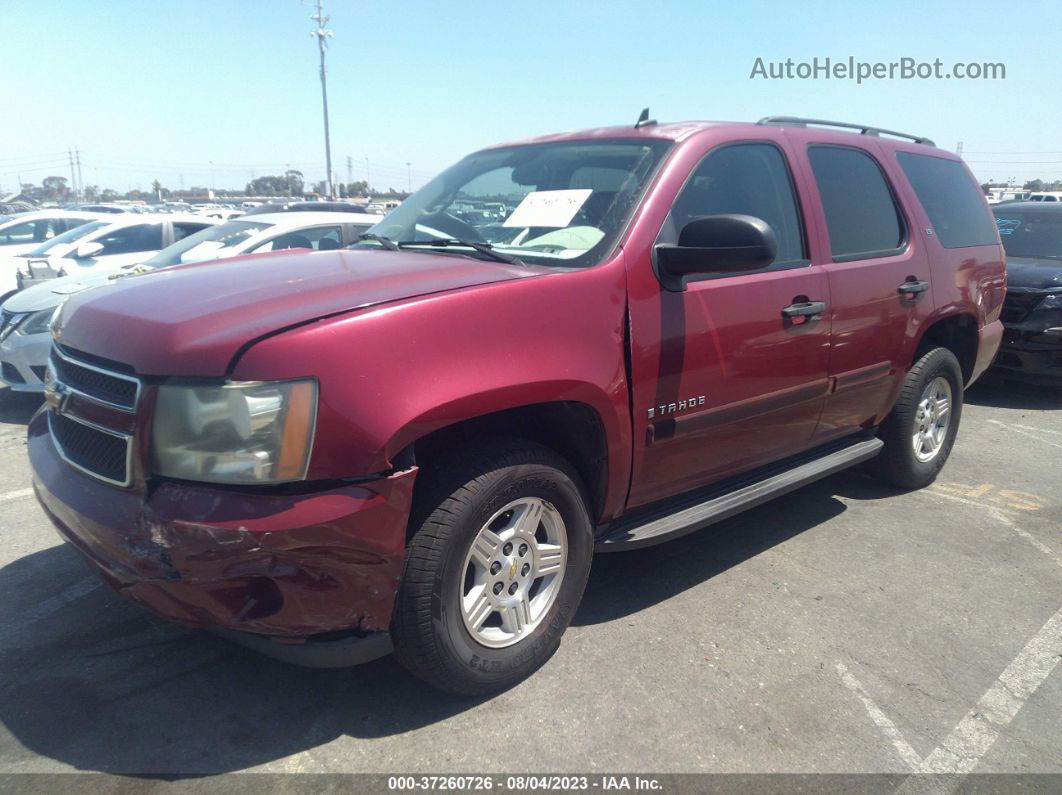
(25, 338)
(106, 242)
(26, 231)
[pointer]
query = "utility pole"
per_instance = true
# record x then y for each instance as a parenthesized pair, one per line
(350, 169)
(80, 179)
(322, 35)
(73, 179)
(368, 178)
(409, 177)
(958, 149)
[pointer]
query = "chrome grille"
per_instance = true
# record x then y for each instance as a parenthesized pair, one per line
(73, 386)
(100, 453)
(1018, 304)
(105, 386)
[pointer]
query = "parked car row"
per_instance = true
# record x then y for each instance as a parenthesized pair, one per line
(106, 248)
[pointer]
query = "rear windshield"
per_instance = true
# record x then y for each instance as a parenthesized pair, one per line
(213, 242)
(1030, 234)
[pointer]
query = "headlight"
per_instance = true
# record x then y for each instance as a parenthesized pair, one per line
(36, 323)
(236, 433)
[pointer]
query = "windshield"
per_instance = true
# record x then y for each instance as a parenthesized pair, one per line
(1030, 234)
(561, 203)
(69, 236)
(210, 243)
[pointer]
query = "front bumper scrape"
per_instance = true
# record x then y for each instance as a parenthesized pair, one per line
(296, 568)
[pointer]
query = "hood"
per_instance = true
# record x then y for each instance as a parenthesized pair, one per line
(51, 293)
(193, 319)
(1034, 273)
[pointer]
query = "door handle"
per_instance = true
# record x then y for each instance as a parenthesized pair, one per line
(912, 289)
(803, 311)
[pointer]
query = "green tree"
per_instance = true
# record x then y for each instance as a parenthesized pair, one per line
(55, 188)
(295, 181)
(276, 185)
(1034, 184)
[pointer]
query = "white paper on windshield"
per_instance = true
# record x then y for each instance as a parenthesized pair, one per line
(548, 208)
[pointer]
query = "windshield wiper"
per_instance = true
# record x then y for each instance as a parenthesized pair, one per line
(443, 242)
(386, 242)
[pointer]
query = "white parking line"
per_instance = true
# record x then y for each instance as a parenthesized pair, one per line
(1034, 434)
(61, 599)
(933, 492)
(1031, 428)
(16, 495)
(968, 742)
(907, 753)
(1036, 542)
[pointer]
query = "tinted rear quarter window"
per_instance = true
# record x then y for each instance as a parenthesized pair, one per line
(861, 214)
(954, 204)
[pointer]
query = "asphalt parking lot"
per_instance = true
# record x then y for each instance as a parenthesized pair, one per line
(844, 628)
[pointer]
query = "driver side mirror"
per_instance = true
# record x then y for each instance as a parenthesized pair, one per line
(716, 244)
(89, 250)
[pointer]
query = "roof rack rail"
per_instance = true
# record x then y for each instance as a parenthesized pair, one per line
(864, 129)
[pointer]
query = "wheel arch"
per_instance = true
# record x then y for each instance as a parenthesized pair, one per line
(573, 429)
(959, 334)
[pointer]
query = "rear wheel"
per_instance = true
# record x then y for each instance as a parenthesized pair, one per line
(920, 431)
(495, 568)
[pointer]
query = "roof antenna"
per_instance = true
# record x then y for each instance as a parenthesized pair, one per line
(644, 120)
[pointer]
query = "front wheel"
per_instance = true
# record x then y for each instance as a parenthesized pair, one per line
(921, 429)
(496, 567)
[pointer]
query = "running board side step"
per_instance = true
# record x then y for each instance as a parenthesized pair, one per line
(655, 529)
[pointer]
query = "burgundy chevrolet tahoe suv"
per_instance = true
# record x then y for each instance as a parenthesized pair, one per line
(419, 443)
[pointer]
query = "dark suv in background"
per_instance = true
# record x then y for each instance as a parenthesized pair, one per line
(1032, 315)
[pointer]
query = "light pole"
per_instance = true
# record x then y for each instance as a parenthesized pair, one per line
(368, 179)
(322, 34)
(409, 177)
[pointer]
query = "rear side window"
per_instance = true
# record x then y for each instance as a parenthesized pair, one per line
(30, 232)
(861, 214)
(952, 201)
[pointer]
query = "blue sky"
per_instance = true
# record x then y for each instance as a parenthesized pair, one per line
(159, 89)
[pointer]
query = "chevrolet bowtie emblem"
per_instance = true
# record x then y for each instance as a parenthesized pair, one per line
(55, 393)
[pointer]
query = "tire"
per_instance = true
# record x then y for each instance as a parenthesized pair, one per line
(441, 628)
(899, 462)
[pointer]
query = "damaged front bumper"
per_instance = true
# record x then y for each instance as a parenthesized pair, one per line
(308, 577)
